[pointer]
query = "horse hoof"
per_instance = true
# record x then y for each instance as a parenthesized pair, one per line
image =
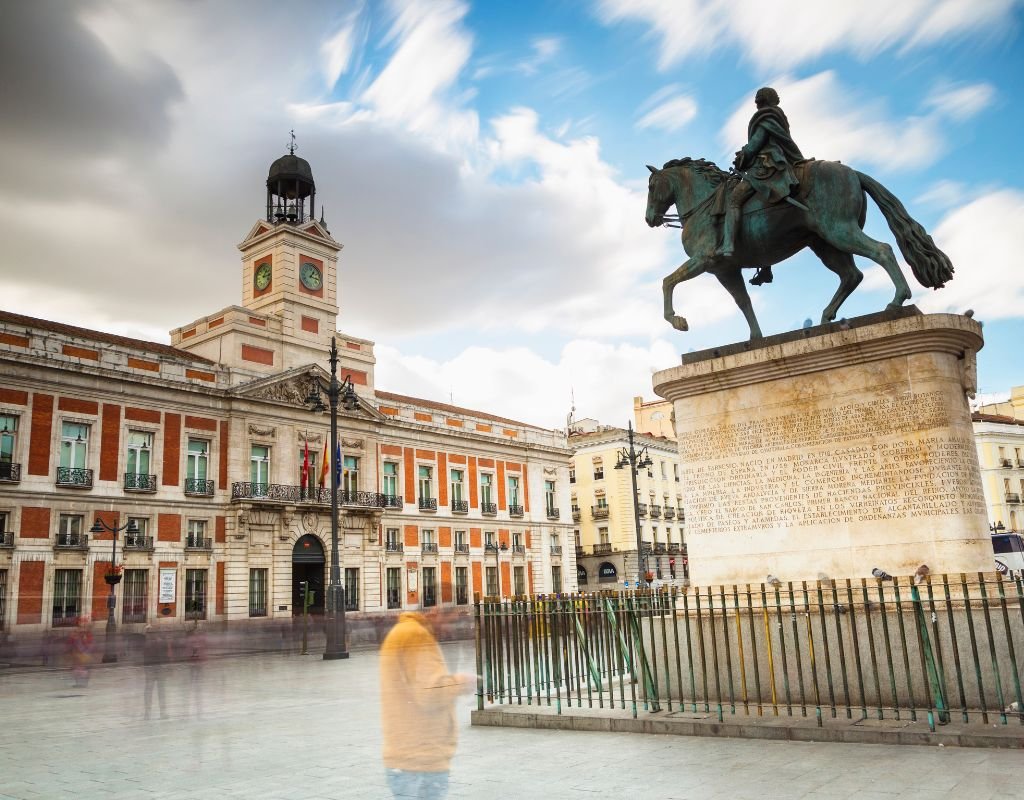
(679, 323)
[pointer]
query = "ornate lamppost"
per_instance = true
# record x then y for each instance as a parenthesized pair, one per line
(112, 578)
(335, 599)
(635, 460)
(497, 565)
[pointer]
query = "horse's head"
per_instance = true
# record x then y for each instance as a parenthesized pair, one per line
(659, 196)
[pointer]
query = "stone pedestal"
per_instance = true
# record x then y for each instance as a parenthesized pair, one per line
(834, 450)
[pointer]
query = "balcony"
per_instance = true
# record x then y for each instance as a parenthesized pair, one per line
(6, 539)
(71, 541)
(682, 515)
(673, 548)
(602, 549)
(134, 482)
(279, 493)
(491, 547)
(461, 548)
(1012, 497)
(556, 549)
(518, 550)
(10, 472)
(655, 512)
(647, 546)
(670, 513)
(552, 512)
(460, 506)
(198, 543)
(138, 543)
(74, 478)
(393, 547)
(428, 504)
(515, 511)
(579, 552)
(660, 547)
(197, 487)
(490, 509)
(429, 547)
(1006, 462)
(642, 509)
(599, 512)
(576, 514)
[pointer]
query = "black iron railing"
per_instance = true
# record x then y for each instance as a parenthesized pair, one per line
(198, 487)
(552, 512)
(6, 538)
(575, 515)
(460, 506)
(462, 547)
(392, 500)
(556, 549)
(670, 513)
(135, 482)
(673, 548)
(428, 504)
(602, 549)
(515, 510)
(71, 541)
(488, 508)
(393, 547)
(642, 509)
(198, 543)
(655, 511)
(74, 477)
(275, 492)
(10, 472)
(599, 512)
(518, 549)
(138, 542)
(1012, 497)
(429, 547)
(660, 547)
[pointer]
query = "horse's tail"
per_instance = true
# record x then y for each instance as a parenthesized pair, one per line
(930, 265)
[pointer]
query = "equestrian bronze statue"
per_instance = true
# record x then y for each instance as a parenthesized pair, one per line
(774, 204)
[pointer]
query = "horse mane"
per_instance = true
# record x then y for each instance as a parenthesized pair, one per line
(709, 169)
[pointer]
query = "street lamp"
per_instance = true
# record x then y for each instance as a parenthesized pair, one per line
(335, 591)
(636, 460)
(503, 547)
(112, 578)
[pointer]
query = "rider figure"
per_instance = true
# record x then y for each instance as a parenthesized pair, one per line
(766, 162)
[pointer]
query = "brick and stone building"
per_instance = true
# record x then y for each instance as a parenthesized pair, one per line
(203, 441)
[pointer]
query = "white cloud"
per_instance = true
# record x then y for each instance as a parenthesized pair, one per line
(829, 121)
(961, 101)
(517, 383)
(791, 32)
(336, 52)
(670, 114)
(984, 240)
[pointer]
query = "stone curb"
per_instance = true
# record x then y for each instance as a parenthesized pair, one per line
(798, 729)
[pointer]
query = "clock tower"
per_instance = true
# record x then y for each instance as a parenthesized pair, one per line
(289, 304)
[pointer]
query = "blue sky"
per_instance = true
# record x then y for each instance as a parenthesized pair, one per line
(483, 164)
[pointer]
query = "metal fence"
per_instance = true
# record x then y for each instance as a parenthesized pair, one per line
(944, 648)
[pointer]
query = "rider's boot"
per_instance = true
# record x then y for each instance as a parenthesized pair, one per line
(732, 215)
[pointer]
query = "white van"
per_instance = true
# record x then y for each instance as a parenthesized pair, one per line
(1009, 551)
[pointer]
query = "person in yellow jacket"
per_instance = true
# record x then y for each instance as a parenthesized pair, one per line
(417, 696)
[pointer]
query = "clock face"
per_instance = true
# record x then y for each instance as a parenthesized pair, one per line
(310, 276)
(262, 277)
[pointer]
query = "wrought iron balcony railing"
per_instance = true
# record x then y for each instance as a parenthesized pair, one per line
(646, 545)
(660, 547)
(136, 482)
(1012, 497)
(460, 506)
(1007, 462)
(393, 547)
(198, 487)
(428, 504)
(74, 477)
(488, 508)
(273, 492)
(461, 548)
(7, 539)
(599, 512)
(198, 543)
(556, 549)
(552, 512)
(10, 472)
(673, 548)
(429, 547)
(575, 515)
(138, 542)
(642, 508)
(655, 511)
(71, 541)
(518, 549)
(515, 510)
(602, 549)
(491, 547)
(670, 513)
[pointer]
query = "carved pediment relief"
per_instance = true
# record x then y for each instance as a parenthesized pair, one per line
(291, 388)
(292, 391)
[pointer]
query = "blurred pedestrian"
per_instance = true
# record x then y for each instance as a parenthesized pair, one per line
(80, 643)
(156, 654)
(418, 708)
(195, 649)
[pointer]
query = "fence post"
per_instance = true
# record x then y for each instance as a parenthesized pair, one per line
(479, 653)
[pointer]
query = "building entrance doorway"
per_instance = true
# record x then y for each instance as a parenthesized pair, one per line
(308, 564)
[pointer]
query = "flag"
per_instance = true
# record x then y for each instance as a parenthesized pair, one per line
(324, 466)
(306, 483)
(337, 467)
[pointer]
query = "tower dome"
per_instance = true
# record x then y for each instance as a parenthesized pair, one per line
(289, 184)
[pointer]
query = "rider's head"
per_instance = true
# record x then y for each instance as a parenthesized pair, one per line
(766, 97)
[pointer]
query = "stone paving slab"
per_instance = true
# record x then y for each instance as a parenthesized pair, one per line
(287, 726)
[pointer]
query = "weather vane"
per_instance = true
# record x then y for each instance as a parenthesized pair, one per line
(291, 144)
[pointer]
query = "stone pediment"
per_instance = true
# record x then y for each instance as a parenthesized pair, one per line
(312, 229)
(291, 388)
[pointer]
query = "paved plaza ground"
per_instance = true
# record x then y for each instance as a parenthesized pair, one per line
(291, 726)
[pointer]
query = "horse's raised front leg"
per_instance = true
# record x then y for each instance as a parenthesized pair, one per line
(732, 280)
(689, 269)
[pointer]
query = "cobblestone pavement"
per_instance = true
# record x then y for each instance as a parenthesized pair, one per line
(291, 726)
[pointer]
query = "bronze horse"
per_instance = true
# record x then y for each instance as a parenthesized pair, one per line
(831, 225)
